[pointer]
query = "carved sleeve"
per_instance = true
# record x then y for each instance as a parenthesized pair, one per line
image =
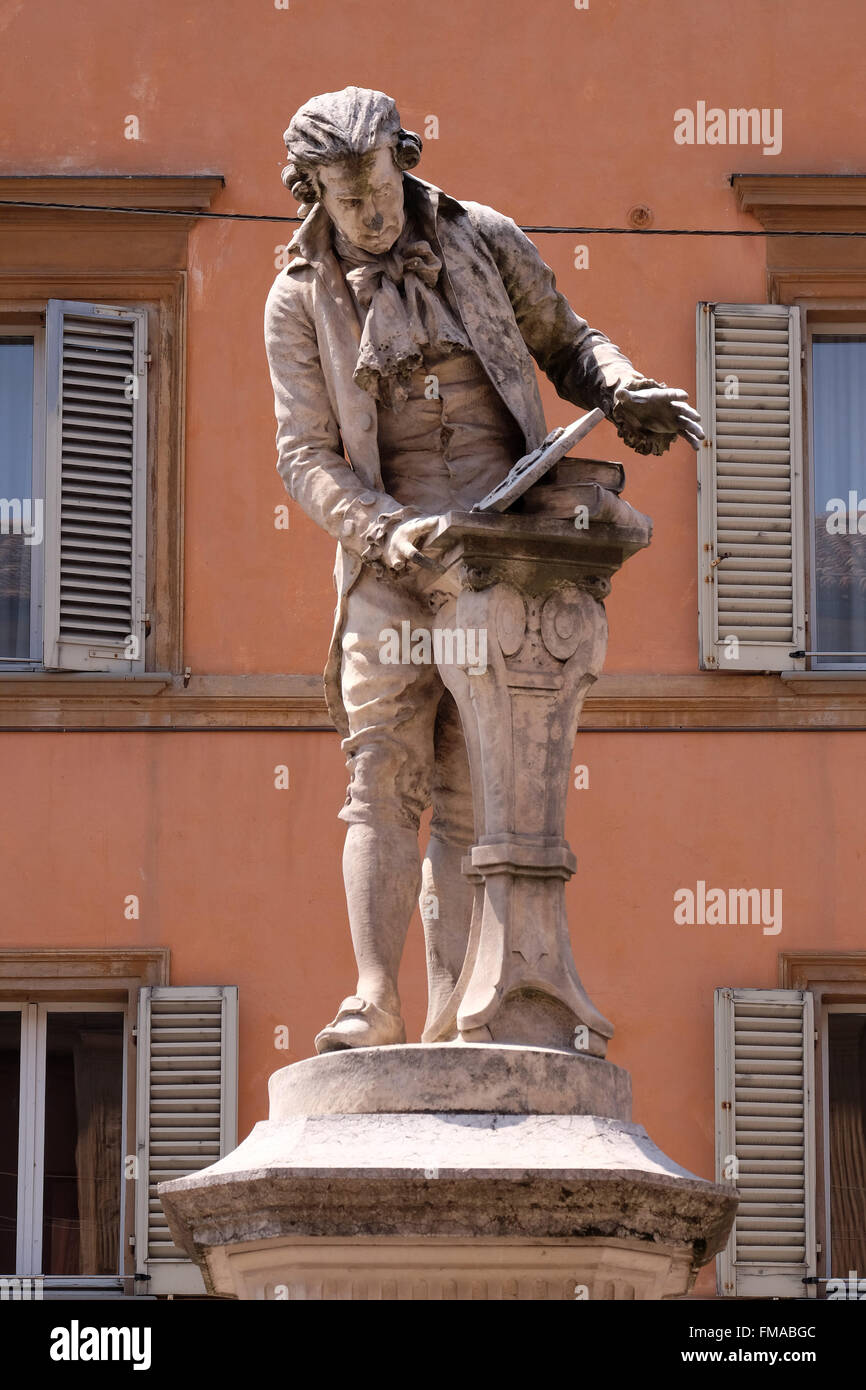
(310, 459)
(584, 365)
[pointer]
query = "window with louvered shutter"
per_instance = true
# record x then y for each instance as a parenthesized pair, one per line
(751, 566)
(765, 1139)
(187, 1111)
(96, 413)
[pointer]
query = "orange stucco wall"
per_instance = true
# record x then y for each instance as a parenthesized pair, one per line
(242, 880)
(553, 115)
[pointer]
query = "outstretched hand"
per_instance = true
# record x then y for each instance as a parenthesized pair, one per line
(650, 416)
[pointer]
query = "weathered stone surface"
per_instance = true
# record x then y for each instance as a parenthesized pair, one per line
(511, 1179)
(409, 1197)
(463, 1077)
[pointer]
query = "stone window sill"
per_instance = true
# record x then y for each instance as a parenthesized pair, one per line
(22, 684)
(825, 682)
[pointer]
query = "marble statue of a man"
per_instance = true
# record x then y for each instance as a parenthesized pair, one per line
(401, 337)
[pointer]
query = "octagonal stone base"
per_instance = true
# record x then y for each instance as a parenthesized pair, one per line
(449, 1172)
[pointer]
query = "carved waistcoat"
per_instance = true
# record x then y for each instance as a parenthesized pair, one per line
(453, 439)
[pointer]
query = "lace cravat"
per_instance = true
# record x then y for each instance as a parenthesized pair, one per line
(404, 313)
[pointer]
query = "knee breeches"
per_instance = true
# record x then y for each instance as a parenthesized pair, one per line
(405, 749)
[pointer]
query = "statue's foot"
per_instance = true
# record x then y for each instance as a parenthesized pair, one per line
(360, 1024)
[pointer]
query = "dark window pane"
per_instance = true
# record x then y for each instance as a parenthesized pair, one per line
(847, 1144)
(10, 1095)
(83, 1140)
(838, 424)
(17, 504)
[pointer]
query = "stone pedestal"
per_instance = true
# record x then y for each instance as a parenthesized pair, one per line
(498, 1159)
(449, 1171)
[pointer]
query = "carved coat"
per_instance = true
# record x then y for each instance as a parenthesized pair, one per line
(328, 455)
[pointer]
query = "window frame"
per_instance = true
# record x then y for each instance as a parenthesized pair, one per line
(831, 977)
(17, 326)
(82, 976)
(86, 246)
(31, 1138)
(163, 296)
(35, 312)
(822, 1017)
(821, 318)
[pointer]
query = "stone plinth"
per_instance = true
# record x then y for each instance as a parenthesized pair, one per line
(449, 1171)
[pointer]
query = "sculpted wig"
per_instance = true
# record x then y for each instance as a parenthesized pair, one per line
(343, 125)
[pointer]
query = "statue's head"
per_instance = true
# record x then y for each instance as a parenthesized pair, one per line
(348, 151)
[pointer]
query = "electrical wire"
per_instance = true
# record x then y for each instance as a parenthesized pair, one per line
(539, 229)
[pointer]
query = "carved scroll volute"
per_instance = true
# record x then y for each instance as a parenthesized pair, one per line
(571, 618)
(509, 611)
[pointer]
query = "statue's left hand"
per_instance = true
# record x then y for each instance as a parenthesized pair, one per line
(651, 416)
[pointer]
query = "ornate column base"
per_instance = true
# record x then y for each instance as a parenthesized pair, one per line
(450, 1171)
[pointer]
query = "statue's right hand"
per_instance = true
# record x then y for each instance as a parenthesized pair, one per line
(403, 546)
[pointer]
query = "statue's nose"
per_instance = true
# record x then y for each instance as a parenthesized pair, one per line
(375, 222)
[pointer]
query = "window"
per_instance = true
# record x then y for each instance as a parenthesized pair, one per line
(20, 363)
(782, 509)
(63, 1151)
(837, 408)
(844, 1032)
(103, 1095)
(791, 1130)
(135, 268)
(73, 406)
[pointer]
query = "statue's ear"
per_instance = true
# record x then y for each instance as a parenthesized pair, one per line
(301, 186)
(407, 151)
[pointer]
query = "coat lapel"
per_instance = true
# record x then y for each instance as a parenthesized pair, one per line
(312, 246)
(484, 306)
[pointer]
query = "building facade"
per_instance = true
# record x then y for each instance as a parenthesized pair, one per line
(172, 926)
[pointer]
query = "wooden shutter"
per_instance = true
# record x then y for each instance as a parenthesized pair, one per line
(751, 566)
(95, 487)
(765, 1111)
(187, 1111)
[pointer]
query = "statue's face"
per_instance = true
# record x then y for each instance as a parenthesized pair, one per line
(364, 198)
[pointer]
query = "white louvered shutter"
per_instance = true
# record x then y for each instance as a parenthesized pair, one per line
(765, 1111)
(751, 566)
(187, 1111)
(95, 487)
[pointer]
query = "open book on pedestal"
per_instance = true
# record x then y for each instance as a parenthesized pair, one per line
(532, 467)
